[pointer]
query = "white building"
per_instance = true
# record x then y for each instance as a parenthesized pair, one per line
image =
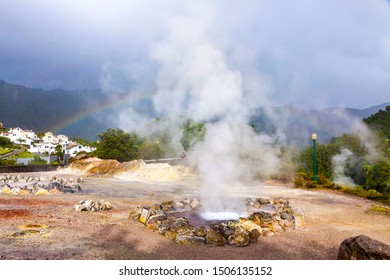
(62, 138)
(73, 149)
(40, 148)
(17, 136)
(49, 138)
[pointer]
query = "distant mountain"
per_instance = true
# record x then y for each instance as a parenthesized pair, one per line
(380, 121)
(86, 113)
(294, 126)
(76, 113)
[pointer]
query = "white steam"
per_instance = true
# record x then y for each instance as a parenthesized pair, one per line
(197, 81)
(339, 163)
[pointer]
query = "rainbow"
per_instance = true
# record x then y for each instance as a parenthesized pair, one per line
(98, 109)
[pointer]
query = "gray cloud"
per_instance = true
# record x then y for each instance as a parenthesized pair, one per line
(305, 53)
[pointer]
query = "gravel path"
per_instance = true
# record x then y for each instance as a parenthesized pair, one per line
(48, 227)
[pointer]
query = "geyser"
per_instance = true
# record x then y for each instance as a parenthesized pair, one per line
(197, 80)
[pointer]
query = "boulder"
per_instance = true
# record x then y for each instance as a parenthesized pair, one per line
(253, 230)
(363, 247)
(41, 192)
(170, 234)
(214, 238)
(188, 239)
(194, 203)
(239, 238)
(5, 189)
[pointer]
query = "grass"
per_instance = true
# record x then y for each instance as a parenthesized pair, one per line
(4, 151)
(24, 154)
(302, 182)
(379, 209)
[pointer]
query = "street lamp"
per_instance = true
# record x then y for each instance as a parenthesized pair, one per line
(156, 150)
(314, 138)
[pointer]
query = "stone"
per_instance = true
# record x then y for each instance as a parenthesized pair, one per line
(15, 191)
(185, 239)
(6, 190)
(54, 191)
(178, 206)
(269, 208)
(80, 208)
(170, 234)
(264, 200)
(157, 217)
(363, 247)
(164, 226)
(201, 231)
(253, 229)
(194, 203)
(41, 192)
(88, 204)
(107, 205)
(261, 217)
(286, 216)
(240, 238)
(24, 191)
(281, 200)
(167, 206)
(180, 222)
(187, 201)
(214, 238)
(152, 225)
(39, 185)
(218, 227)
(299, 218)
(285, 224)
(257, 205)
(135, 214)
(228, 232)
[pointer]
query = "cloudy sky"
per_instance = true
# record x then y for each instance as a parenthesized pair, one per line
(309, 54)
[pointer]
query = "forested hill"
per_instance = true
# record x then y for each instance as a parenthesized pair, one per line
(44, 110)
(380, 121)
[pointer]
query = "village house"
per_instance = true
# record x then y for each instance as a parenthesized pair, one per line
(62, 138)
(46, 145)
(40, 148)
(73, 149)
(49, 138)
(17, 136)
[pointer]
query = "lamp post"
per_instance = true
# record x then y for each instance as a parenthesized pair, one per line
(156, 150)
(314, 138)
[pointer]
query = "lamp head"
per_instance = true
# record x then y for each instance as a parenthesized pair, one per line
(314, 136)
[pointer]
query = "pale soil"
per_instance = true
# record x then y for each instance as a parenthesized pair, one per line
(61, 233)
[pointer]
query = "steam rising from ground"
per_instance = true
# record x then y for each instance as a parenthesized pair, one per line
(339, 162)
(196, 80)
(211, 80)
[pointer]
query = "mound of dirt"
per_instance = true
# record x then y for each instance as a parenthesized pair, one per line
(136, 170)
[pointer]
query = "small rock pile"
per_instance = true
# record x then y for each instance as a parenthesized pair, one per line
(93, 206)
(25, 185)
(271, 217)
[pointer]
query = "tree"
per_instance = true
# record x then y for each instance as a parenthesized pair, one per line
(7, 162)
(5, 142)
(192, 134)
(59, 153)
(40, 134)
(37, 160)
(380, 121)
(150, 149)
(119, 145)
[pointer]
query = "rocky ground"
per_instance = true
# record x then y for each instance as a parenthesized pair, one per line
(48, 227)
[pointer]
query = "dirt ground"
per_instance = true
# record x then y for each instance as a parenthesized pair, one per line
(48, 227)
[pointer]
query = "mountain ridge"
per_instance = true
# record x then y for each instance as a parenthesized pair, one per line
(44, 110)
